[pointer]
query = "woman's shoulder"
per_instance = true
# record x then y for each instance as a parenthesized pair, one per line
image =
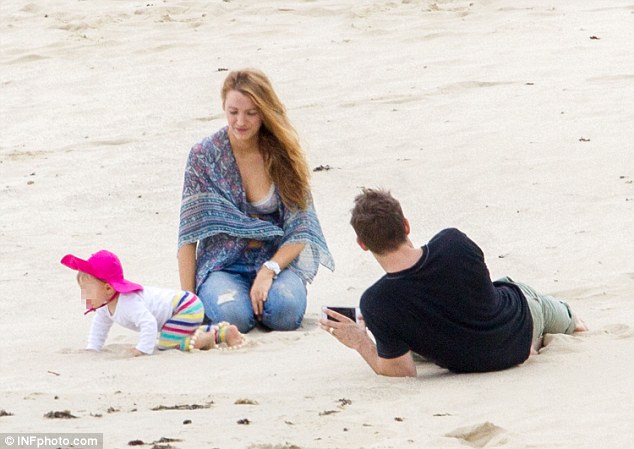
(218, 140)
(216, 143)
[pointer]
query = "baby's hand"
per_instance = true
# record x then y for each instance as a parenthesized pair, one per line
(135, 352)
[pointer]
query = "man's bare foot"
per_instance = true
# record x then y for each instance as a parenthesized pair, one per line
(534, 351)
(536, 346)
(580, 325)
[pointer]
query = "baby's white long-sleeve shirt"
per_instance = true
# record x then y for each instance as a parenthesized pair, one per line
(144, 311)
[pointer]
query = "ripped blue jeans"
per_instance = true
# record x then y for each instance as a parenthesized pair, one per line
(225, 295)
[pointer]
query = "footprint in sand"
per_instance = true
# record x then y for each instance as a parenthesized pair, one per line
(481, 435)
(618, 330)
(108, 351)
(71, 351)
(271, 446)
(27, 58)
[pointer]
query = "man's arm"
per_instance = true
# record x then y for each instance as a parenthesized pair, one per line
(402, 366)
(355, 336)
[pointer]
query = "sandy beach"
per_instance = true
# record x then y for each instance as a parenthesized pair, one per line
(510, 120)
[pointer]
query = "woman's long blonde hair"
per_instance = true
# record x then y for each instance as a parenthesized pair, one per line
(284, 158)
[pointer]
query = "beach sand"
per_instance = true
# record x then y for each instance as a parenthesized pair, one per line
(509, 120)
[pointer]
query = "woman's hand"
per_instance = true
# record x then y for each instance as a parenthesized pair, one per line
(260, 291)
(264, 279)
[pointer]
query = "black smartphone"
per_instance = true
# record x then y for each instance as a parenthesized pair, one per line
(349, 312)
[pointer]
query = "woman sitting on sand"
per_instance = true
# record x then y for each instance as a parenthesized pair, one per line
(249, 236)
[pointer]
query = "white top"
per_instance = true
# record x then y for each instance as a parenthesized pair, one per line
(266, 205)
(145, 311)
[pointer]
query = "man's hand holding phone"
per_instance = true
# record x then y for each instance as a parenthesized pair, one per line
(345, 324)
(349, 312)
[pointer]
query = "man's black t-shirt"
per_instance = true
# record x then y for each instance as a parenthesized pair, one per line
(446, 309)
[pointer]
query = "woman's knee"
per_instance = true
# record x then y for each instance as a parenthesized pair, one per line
(282, 319)
(225, 299)
(243, 319)
(231, 308)
(286, 304)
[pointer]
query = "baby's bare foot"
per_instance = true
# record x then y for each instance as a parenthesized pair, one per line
(229, 335)
(233, 337)
(203, 340)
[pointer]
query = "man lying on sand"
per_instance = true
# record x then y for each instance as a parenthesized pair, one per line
(439, 301)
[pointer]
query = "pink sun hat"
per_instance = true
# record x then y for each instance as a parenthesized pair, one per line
(105, 266)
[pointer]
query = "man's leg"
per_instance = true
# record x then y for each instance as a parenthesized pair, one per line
(550, 315)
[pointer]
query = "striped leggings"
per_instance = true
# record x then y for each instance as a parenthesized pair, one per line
(188, 316)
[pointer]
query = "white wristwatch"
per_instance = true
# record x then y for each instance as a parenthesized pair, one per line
(273, 266)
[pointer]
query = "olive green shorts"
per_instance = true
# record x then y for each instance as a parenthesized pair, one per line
(550, 315)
